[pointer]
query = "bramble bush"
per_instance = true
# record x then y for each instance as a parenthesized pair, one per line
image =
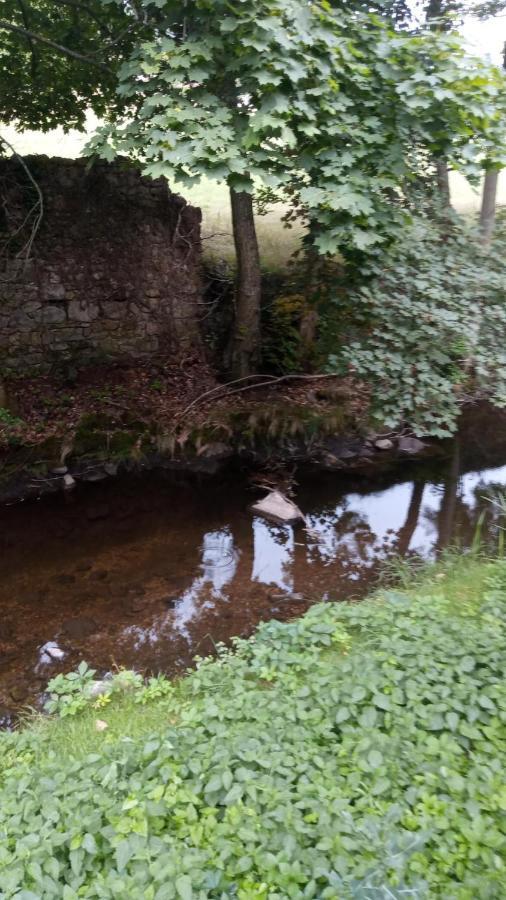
(429, 325)
(357, 752)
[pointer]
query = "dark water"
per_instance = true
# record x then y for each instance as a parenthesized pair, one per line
(146, 573)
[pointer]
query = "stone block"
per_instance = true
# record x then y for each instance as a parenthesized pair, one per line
(81, 311)
(52, 315)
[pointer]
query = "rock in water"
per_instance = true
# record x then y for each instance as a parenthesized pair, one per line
(411, 445)
(384, 444)
(278, 508)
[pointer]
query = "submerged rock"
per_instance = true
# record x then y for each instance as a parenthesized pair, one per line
(59, 470)
(98, 511)
(411, 445)
(384, 444)
(79, 628)
(49, 652)
(278, 508)
(19, 692)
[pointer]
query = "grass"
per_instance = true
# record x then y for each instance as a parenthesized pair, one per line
(277, 243)
(356, 752)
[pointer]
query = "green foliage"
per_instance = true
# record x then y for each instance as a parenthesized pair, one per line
(72, 693)
(154, 689)
(7, 419)
(328, 108)
(59, 59)
(281, 344)
(356, 752)
(430, 322)
(68, 694)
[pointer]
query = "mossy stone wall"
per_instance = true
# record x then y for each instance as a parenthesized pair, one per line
(114, 269)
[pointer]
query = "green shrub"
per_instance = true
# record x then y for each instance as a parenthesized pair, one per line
(357, 752)
(430, 325)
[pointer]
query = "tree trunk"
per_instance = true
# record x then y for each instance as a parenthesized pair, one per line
(308, 327)
(488, 205)
(443, 183)
(245, 344)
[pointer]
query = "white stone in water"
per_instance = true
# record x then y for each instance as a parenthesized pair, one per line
(384, 444)
(50, 651)
(68, 483)
(278, 508)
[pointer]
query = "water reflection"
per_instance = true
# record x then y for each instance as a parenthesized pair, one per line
(273, 551)
(171, 570)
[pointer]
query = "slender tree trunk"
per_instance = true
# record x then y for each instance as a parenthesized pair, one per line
(489, 196)
(443, 182)
(245, 345)
(310, 318)
(488, 205)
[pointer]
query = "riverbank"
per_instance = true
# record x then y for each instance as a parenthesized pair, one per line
(358, 748)
(85, 426)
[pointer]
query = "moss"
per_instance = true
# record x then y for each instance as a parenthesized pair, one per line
(278, 423)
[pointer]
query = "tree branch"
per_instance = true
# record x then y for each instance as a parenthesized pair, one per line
(31, 35)
(26, 20)
(37, 208)
(222, 390)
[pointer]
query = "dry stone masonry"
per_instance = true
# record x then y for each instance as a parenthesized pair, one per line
(114, 270)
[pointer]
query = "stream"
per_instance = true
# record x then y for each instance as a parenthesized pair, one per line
(147, 571)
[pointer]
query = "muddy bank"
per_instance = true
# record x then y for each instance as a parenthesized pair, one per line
(30, 473)
(172, 416)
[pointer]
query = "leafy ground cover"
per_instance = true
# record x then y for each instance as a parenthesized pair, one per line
(355, 752)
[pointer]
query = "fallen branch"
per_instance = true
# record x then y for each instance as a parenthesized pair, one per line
(269, 381)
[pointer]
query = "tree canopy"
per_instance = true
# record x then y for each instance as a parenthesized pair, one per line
(330, 106)
(333, 107)
(59, 58)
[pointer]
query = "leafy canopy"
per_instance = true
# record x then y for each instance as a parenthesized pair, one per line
(59, 58)
(328, 107)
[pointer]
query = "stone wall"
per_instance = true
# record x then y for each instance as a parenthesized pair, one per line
(114, 269)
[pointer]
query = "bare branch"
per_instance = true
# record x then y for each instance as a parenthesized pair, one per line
(37, 208)
(222, 390)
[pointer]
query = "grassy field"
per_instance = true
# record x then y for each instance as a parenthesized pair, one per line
(358, 751)
(277, 243)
